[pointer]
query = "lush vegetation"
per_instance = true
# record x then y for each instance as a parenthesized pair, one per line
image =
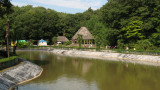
(8, 59)
(121, 23)
(23, 44)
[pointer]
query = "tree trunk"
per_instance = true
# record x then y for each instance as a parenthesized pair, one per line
(14, 49)
(7, 37)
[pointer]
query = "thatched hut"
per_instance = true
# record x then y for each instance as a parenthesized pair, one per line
(86, 36)
(62, 39)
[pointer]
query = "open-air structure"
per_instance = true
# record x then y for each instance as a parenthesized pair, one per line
(86, 36)
(62, 39)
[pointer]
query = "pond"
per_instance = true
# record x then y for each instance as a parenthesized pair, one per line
(73, 73)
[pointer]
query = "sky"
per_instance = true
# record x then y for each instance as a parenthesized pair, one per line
(66, 6)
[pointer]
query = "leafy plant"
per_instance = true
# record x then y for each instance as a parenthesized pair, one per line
(54, 40)
(144, 45)
(8, 59)
(23, 44)
(80, 40)
(68, 42)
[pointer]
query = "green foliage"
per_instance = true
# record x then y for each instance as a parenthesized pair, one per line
(54, 40)
(60, 45)
(133, 31)
(111, 35)
(2, 29)
(99, 35)
(80, 40)
(68, 43)
(8, 59)
(144, 45)
(121, 45)
(5, 7)
(35, 23)
(155, 38)
(23, 44)
(137, 20)
(31, 41)
(118, 22)
(92, 22)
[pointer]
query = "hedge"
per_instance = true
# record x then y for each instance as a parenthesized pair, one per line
(8, 59)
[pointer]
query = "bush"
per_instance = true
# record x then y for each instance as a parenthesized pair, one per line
(68, 43)
(23, 44)
(8, 59)
(60, 45)
(144, 45)
(121, 45)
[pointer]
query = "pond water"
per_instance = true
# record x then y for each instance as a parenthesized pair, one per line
(71, 73)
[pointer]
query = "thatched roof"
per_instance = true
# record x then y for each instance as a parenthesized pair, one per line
(62, 39)
(86, 35)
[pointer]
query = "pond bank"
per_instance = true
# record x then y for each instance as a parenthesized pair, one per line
(144, 59)
(19, 74)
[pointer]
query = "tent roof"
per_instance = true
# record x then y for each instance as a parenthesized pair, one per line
(86, 35)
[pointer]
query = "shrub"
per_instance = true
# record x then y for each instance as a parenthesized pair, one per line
(121, 45)
(60, 45)
(23, 44)
(144, 45)
(68, 43)
(8, 59)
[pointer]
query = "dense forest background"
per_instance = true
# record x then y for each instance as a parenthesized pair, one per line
(121, 23)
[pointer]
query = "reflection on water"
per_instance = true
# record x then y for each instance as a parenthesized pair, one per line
(70, 73)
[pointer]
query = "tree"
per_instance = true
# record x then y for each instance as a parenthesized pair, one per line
(99, 35)
(5, 8)
(111, 36)
(80, 40)
(54, 40)
(91, 23)
(2, 31)
(144, 44)
(155, 38)
(133, 31)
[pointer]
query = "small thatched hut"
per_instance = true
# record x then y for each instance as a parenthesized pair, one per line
(86, 36)
(62, 39)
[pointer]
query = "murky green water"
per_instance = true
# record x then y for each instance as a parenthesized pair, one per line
(70, 73)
